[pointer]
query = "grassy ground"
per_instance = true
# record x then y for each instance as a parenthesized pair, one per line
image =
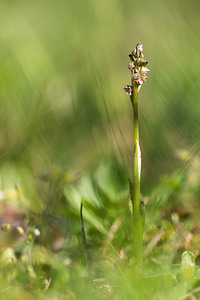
(66, 138)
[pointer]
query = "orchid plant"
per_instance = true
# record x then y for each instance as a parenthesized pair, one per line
(138, 70)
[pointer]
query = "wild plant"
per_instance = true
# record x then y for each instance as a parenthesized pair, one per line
(138, 70)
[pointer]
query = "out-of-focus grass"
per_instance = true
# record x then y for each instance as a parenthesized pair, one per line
(66, 137)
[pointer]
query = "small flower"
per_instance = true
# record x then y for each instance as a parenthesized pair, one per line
(132, 67)
(128, 89)
(142, 62)
(143, 78)
(144, 70)
(139, 81)
(132, 57)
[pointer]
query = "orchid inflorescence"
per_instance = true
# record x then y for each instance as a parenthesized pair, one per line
(138, 69)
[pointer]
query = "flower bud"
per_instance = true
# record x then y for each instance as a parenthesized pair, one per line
(20, 230)
(139, 50)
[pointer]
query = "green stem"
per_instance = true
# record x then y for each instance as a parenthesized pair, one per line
(135, 194)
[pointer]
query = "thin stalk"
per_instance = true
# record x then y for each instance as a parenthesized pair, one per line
(83, 236)
(135, 194)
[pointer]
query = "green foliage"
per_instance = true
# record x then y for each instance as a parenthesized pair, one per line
(56, 264)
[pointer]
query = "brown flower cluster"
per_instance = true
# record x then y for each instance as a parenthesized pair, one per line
(138, 69)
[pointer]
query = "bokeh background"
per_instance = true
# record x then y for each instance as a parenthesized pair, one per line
(66, 137)
(63, 65)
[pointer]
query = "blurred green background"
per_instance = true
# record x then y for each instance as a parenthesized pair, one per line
(63, 65)
(65, 118)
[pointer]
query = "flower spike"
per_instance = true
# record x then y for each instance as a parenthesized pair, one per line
(138, 69)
